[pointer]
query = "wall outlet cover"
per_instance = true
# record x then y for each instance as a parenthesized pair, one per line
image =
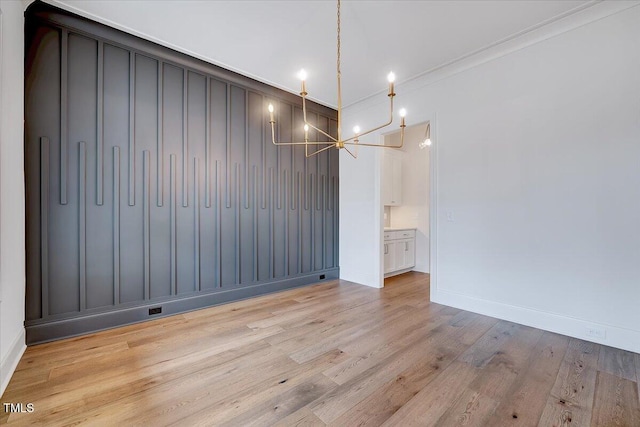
(597, 333)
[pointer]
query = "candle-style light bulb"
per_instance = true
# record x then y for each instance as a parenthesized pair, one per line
(391, 78)
(306, 132)
(403, 113)
(356, 130)
(271, 112)
(302, 75)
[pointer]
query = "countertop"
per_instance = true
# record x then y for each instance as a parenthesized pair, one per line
(399, 228)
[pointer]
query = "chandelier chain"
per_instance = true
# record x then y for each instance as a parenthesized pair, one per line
(338, 60)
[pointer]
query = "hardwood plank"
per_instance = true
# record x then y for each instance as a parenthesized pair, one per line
(325, 320)
(387, 399)
(238, 398)
(280, 406)
(617, 362)
(494, 378)
(350, 393)
(426, 407)
(570, 401)
(333, 352)
(303, 417)
(527, 397)
(114, 385)
(367, 353)
(616, 401)
(323, 343)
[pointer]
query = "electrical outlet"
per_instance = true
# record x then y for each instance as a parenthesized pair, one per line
(597, 333)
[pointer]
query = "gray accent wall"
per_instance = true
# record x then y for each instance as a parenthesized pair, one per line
(152, 182)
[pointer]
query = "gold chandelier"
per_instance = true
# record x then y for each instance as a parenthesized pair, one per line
(338, 142)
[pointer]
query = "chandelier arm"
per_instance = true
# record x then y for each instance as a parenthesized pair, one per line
(349, 151)
(306, 152)
(360, 135)
(273, 131)
(321, 131)
(306, 143)
(304, 119)
(273, 139)
(381, 145)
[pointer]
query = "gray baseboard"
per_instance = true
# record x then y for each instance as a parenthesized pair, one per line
(65, 328)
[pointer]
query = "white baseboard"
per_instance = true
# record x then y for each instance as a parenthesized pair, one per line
(626, 339)
(10, 362)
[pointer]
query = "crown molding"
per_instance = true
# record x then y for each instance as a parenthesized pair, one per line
(568, 21)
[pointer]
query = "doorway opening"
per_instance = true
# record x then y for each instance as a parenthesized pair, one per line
(405, 199)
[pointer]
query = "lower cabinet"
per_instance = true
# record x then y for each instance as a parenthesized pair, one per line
(405, 253)
(399, 251)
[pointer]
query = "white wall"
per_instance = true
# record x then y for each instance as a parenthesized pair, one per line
(537, 177)
(414, 210)
(360, 212)
(12, 257)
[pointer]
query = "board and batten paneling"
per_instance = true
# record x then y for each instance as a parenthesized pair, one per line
(152, 182)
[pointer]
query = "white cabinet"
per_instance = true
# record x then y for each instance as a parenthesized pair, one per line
(399, 251)
(405, 254)
(389, 257)
(392, 178)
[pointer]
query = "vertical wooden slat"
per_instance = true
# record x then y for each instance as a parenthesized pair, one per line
(64, 119)
(238, 204)
(44, 223)
(318, 172)
(218, 216)
(82, 223)
(271, 225)
(293, 187)
(172, 225)
(132, 148)
(336, 222)
(312, 221)
(264, 156)
(299, 190)
(196, 223)
(254, 195)
(116, 225)
(285, 206)
(246, 149)
(318, 183)
(279, 161)
(207, 145)
(146, 220)
(308, 185)
(324, 221)
(228, 148)
(100, 127)
(185, 138)
(160, 138)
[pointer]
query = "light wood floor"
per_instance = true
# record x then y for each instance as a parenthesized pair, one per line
(330, 354)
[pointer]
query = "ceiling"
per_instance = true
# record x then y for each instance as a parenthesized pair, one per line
(271, 40)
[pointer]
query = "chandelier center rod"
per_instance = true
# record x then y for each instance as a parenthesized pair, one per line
(340, 143)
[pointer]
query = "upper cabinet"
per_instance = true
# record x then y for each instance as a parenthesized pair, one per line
(392, 178)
